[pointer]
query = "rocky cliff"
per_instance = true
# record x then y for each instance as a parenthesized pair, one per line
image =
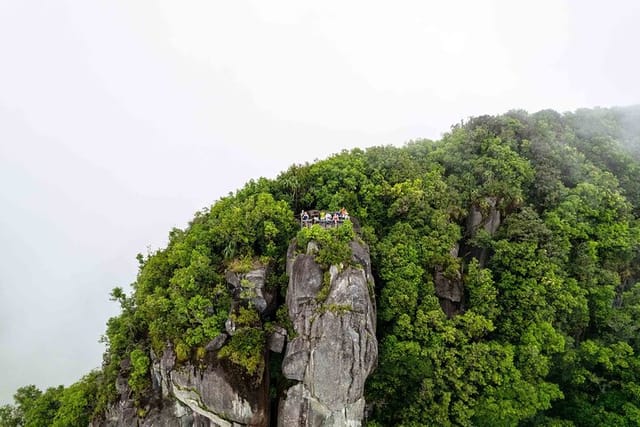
(449, 288)
(335, 347)
(212, 392)
(332, 351)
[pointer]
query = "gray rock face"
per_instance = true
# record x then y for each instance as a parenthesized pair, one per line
(218, 395)
(488, 219)
(215, 394)
(251, 286)
(277, 339)
(174, 415)
(335, 348)
(334, 351)
(217, 342)
(449, 290)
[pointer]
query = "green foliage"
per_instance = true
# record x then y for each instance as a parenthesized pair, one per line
(9, 416)
(139, 378)
(246, 349)
(245, 317)
(333, 243)
(337, 309)
(246, 346)
(324, 291)
(241, 265)
(483, 295)
(33, 408)
(402, 272)
(77, 402)
(546, 332)
(557, 274)
(283, 319)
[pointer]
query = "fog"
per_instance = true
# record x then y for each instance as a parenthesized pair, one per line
(120, 119)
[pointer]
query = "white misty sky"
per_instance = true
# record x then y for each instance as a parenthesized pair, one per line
(120, 119)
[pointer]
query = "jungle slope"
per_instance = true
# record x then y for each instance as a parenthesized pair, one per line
(505, 259)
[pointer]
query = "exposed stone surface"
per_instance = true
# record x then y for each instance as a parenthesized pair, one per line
(230, 326)
(175, 415)
(249, 289)
(277, 339)
(217, 342)
(212, 394)
(300, 408)
(171, 414)
(489, 219)
(215, 396)
(449, 290)
(449, 287)
(218, 394)
(251, 286)
(333, 352)
(296, 358)
(335, 348)
(308, 274)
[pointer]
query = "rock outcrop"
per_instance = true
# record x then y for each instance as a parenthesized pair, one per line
(449, 288)
(251, 287)
(335, 347)
(487, 218)
(213, 393)
(334, 350)
(218, 394)
(194, 397)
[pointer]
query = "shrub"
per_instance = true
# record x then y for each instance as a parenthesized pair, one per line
(333, 243)
(139, 377)
(245, 349)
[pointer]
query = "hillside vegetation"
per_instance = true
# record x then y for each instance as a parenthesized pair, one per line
(546, 331)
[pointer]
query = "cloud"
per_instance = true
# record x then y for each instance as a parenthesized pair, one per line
(119, 119)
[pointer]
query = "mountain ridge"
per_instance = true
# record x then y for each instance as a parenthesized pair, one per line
(505, 266)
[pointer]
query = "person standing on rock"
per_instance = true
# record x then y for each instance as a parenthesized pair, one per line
(305, 218)
(344, 214)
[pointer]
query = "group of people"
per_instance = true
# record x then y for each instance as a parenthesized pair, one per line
(323, 218)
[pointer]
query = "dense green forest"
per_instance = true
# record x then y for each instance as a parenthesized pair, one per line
(547, 331)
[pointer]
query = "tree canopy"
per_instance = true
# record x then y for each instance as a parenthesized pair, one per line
(546, 330)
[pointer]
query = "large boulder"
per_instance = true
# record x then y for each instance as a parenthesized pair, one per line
(212, 395)
(220, 395)
(335, 347)
(251, 287)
